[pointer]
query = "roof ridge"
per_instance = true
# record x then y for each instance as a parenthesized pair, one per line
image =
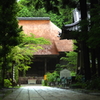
(33, 18)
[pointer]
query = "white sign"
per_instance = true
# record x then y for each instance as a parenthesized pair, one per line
(65, 73)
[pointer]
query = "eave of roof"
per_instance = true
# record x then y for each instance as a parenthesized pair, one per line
(64, 45)
(33, 18)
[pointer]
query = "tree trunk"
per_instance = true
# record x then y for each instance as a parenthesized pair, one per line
(92, 14)
(86, 62)
(85, 50)
(81, 59)
(78, 62)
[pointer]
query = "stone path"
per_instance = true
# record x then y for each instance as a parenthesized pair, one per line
(48, 93)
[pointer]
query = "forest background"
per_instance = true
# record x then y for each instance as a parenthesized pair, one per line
(60, 12)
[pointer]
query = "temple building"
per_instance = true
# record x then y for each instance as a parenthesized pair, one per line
(45, 59)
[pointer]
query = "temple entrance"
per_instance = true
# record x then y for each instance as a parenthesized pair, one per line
(39, 67)
(42, 65)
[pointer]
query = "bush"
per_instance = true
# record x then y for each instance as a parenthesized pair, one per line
(78, 85)
(52, 77)
(73, 73)
(80, 78)
(44, 82)
(94, 84)
(7, 83)
(80, 82)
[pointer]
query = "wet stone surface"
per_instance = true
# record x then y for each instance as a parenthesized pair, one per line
(48, 93)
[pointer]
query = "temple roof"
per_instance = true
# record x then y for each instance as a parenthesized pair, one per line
(43, 27)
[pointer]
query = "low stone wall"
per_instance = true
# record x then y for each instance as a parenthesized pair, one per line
(30, 80)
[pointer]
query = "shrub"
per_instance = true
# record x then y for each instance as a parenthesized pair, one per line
(73, 73)
(78, 85)
(44, 82)
(79, 78)
(94, 83)
(80, 82)
(52, 77)
(7, 83)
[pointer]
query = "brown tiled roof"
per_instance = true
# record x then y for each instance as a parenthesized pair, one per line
(47, 50)
(64, 45)
(43, 27)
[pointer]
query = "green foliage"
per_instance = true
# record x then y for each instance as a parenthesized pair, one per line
(91, 29)
(9, 25)
(7, 83)
(71, 58)
(90, 85)
(94, 84)
(74, 45)
(79, 78)
(9, 32)
(22, 55)
(24, 12)
(73, 73)
(16, 74)
(32, 40)
(39, 13)
(28, 9)
(19, 59)
(80, 82)
(94, 41)
(44, 82)
(52, 76)
(79, 85)
(65, 17)
(58, 67)
(54, 5)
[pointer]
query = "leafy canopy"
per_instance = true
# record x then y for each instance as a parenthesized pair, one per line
(37, 8)
(22, 54)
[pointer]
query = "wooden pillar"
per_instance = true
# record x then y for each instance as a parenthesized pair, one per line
(45, 65)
